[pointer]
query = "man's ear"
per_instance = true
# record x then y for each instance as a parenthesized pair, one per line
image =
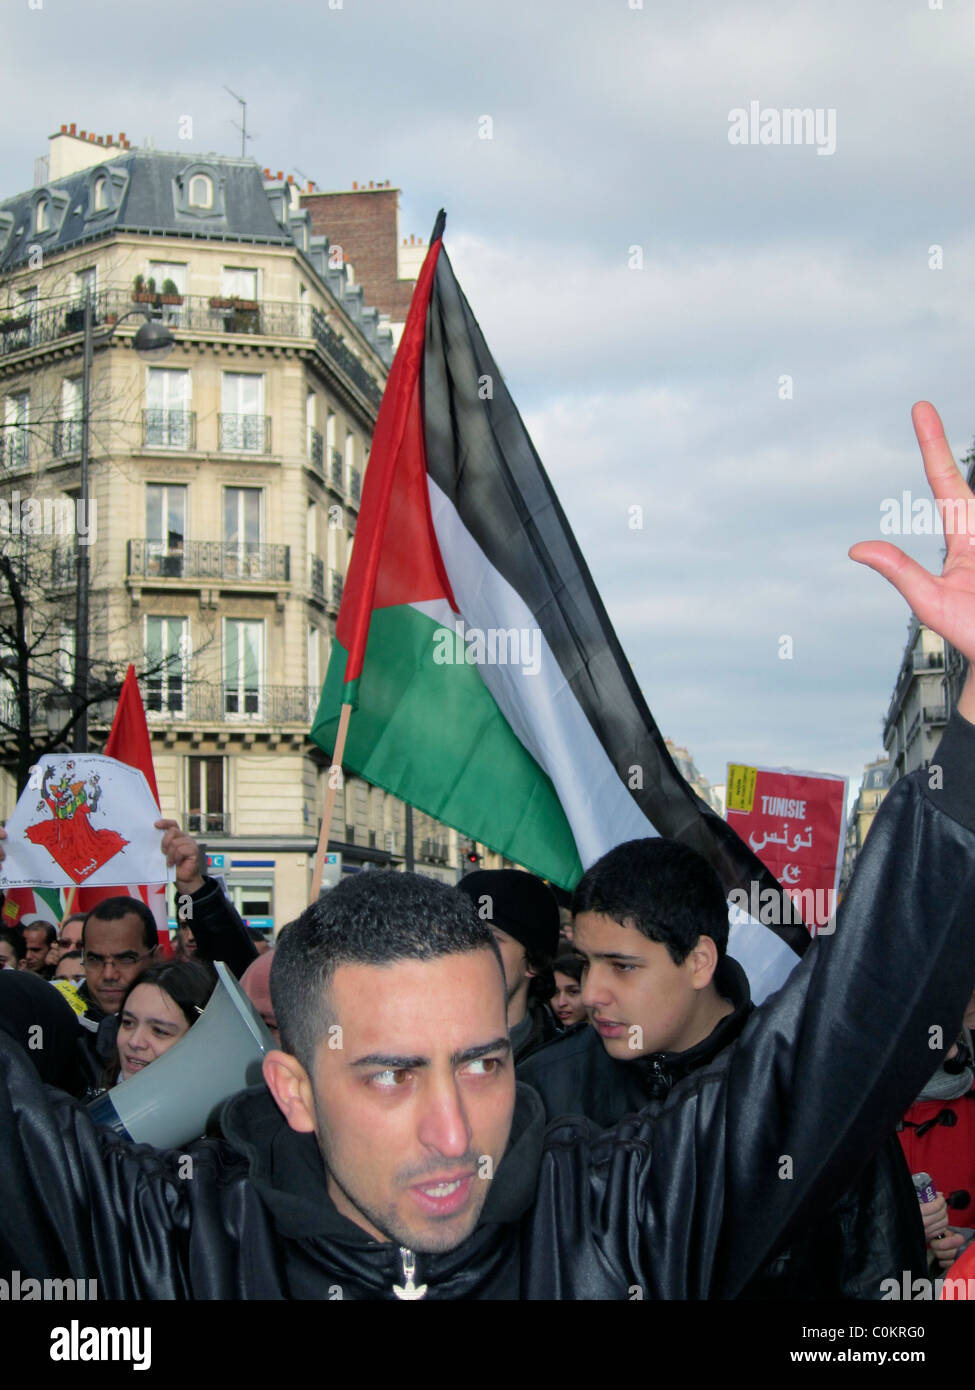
(291, 1087)
(704, 962)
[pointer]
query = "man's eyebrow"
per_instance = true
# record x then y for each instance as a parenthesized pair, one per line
(400, 1063)
(612, 955)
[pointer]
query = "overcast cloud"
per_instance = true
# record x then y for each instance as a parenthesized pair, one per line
(655, 387)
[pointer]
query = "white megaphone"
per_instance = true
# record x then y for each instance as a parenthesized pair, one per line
(172, 1101)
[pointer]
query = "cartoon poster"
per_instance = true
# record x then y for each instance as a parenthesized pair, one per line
(83, 819)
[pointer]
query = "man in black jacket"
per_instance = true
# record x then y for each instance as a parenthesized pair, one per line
(390, 1156)
(665, 999)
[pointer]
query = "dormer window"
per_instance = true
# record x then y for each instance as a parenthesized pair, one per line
(99, 194)
(200, 192)
(42, 216)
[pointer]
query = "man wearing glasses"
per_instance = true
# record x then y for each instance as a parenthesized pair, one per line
(118, 941)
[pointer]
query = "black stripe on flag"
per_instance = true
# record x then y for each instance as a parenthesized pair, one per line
(510, 508)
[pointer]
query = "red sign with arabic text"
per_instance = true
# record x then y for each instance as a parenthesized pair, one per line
(794, 823)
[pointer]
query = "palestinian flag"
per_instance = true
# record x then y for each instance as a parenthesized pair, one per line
(489, 689)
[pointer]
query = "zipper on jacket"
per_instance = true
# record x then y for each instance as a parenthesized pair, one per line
(409, 1291)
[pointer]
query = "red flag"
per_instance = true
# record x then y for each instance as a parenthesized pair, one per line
(129, 742)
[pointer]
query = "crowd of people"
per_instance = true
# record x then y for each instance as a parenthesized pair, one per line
(479, 1095)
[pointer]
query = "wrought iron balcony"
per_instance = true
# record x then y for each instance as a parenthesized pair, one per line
(14, 450)
(316, 576)
(35, 326)
(67, 437)
(355, 484)
(208, 822)
(233, 702)
(338, 470)
(245, 434)
(316, 448)
(337, 588)
(169, 429)
(209, 560)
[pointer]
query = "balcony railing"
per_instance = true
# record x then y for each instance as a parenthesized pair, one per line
(338, 470)
(209, 560)
(203, 702)
(67, 437)
(14, 451)
(316, 448)
(934, 714)
(316, 576)
(337, 588)
(435, 851)
(40, 325)
(169, 429)
(208, 822)
(245, 434)
(355, 484)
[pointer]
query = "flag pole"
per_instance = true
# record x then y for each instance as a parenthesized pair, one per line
(333, 785)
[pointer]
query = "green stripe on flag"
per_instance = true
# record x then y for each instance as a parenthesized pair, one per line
(434, 736)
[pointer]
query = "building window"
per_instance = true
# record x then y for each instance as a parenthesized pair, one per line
(243, 666)
(242, 532)
(167, 656)
(165, 529)
(16, 423)
(169, 277)
(99, 194)
(253, 898)
(206, 796)
(42, 216)
(239, 283)
(243, 428)
(67, 429)
(200, 191)
(85, 282)
(66, 655)
(168, 420)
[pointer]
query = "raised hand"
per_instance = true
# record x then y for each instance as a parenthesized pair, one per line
(946, 604)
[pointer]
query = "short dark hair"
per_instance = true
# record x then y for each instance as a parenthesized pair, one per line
(373, 918)
(664, 888)
(72, 917)
(39, 924)
(114, 909)
(14, 939)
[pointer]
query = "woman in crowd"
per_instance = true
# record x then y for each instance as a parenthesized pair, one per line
(160, 1007)
(566, 1003)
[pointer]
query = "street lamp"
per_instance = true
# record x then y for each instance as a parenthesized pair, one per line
(152, 342)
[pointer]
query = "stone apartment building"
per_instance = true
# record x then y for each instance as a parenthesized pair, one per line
(917, 712)
(226, 480)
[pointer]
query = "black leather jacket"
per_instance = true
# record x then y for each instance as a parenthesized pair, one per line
(690, 1198)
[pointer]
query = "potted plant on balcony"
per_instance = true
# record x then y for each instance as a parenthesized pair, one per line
(144, 291)
(169, 293)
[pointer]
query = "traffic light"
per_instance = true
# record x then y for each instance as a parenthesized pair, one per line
(473, 858)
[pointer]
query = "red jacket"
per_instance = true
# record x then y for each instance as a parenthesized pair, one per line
(945, 1150)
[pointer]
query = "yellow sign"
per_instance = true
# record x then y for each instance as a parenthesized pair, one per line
(741, 787)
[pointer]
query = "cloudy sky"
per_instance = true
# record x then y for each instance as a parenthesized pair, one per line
(644, 283)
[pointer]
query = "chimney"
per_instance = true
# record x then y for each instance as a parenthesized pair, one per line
(355, 186)
(370, 183)
(72, 130)
(122, 140)
(311, 186)
(280, 176)
(82, 135)
(109, 139)
(291, 178)
(64, 130)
